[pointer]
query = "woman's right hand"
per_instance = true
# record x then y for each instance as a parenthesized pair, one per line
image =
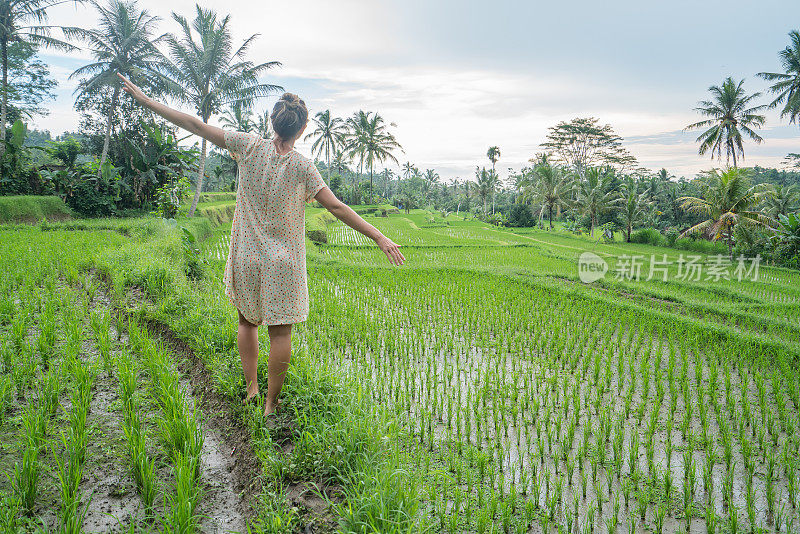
(391, 249)
(132, 89)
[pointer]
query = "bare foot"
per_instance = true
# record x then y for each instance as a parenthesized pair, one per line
(270, 408)
(249, 397)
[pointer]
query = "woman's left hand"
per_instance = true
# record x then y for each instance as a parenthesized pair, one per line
(391, 249)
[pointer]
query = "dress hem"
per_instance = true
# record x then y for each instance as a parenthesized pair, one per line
(270, 321)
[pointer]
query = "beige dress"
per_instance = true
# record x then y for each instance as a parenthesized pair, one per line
(265, 276)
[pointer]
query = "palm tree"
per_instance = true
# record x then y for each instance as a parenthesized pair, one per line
(387, 174)
(122, 43)
(787, 83)
(545, 184)
(634, 205)
(408, 170)
(206, 71)
(485, 185)
(238, 118)
(431, 178)
(594, 196)
(264, 126)
(330, 133)
(729, 117)
(727, 200)
(782, 201)
(370, 140)
(23, 20)
(493, 154)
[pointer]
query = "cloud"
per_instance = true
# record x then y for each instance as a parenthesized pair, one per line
(456, 81)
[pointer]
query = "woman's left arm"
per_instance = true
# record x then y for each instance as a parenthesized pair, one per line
(188, 122)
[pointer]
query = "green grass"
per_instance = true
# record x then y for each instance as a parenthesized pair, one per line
(32, 209)
(481, 387)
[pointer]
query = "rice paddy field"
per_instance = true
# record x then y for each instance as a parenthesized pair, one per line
(482, 387)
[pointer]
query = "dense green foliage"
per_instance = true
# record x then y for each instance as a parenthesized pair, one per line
(29, 209)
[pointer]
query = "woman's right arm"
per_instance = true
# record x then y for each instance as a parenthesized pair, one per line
(188, 122)
(345, 213)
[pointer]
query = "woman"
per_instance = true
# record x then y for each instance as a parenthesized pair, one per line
(265, 276)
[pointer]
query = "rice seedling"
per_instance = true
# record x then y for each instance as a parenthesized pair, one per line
(182, 515)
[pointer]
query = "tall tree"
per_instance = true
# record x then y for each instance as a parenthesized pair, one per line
(29, 82)
(123, 43)
(727, 200)
(584, 142)
(263, 125)
(729, 116)
(634, 205)
(782, 201)
(206, 71)
(493, 154)
(786, 84)
(238, 118)
(545, 184)
(370, 140)
(408, 170)
(329, 135)
(595, 196)
(23, 21)
(484, 186)
(431, 178)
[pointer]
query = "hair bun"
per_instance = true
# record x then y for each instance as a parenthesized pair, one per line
(290, 98)
(289, 116)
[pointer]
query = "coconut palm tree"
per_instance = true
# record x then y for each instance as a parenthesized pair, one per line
(370, 140)
(786, 84)
(545, 184)
(729, 116)
(24, 20)
(431, 178)
(493, 154)
(634, 205)
(264, 126)
(727, 200)
(484, 186)
(238, 118)
(408, 170)
(206, 71)
(122, 43)
(594, 196)
(388, 175)
(329, 133)
(782, 201)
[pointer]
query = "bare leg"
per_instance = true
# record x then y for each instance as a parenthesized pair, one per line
(247, 340)
(280, 353)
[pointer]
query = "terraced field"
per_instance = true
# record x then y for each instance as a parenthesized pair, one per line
(482, 387)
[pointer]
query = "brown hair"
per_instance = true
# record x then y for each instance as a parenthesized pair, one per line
(289, 116)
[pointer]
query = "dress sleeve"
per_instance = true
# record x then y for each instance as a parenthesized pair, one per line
(240, 144)
(314, 181)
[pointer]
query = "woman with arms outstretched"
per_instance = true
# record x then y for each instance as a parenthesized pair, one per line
(265, 276)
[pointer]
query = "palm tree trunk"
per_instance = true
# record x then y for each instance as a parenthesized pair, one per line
(730, 237)
(201, 169)
(550, 209)
(107, 140)
(4, 105)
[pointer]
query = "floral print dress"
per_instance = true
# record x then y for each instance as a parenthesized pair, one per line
(265, 276)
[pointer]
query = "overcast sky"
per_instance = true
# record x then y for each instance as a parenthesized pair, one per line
(459, 76)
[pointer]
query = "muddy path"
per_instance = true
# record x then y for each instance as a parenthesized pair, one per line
(230, 468)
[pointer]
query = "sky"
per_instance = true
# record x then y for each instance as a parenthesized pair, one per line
(456, 77)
